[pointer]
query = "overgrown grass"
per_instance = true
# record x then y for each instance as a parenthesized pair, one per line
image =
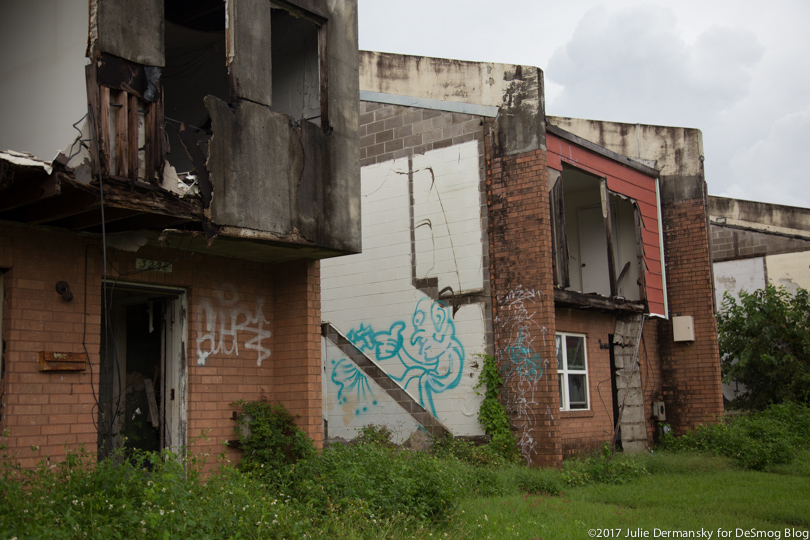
(373, 489)
(753, 440)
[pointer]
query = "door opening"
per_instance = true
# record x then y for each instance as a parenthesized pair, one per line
(142, 392)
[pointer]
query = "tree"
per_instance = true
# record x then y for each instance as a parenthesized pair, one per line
(765, 344)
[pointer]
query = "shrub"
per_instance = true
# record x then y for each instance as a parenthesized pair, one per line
(468, 452)
(753, 440)
(765, 343)
(270, 439)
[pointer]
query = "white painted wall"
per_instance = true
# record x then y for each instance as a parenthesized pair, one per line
(42, 80)
(369, 297)
(733, 276)
(791, 270)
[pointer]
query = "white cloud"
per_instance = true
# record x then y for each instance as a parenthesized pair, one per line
(772, 169)
(632, 65)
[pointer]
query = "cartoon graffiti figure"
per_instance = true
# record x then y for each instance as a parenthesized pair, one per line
(351, 380)
(434, 357)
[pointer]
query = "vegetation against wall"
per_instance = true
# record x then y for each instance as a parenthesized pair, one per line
(765, 343)
(492, 414)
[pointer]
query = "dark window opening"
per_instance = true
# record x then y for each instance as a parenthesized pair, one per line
(296, 66)
(196, 51)
(595, 237)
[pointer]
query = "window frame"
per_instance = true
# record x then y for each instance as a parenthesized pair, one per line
(564, 371)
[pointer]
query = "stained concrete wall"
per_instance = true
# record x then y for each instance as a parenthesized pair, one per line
(516, 90)
(42, 74)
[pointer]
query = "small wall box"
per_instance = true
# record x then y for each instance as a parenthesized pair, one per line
(683, 328)
(660, 411)
(55, 361)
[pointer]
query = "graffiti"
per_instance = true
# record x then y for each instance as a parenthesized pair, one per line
(522, 365)
(352, 381)
(219, 328)
(431, 359)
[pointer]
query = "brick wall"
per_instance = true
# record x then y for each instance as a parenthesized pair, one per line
(523, 298)
(727, 244)
(54, 409)
(583, 431)
(690, 370)
(391, 131)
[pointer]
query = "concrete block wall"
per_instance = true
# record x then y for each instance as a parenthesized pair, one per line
(252, 333)
(423, 222)
(523, 298)
(690, 370)
(390, 132)
(728, 243)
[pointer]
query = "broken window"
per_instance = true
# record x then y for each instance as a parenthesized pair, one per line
(154, 66)
(595, 236)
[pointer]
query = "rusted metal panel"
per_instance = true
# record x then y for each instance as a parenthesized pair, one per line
(56, 361)
(249, 49)
(132, 30)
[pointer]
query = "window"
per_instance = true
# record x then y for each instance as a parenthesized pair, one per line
(572, 367)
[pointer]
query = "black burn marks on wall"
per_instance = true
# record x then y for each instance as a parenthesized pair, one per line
(281, 192)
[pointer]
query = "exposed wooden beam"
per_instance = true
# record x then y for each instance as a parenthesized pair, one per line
(563, 298)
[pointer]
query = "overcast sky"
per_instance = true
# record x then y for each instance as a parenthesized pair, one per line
(737, 70)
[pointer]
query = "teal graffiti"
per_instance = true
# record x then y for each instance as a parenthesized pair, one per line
(521, 360)
(352, 381)
(428, 349)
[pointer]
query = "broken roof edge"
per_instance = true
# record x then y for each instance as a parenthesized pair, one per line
(24, 159)
(440, 79)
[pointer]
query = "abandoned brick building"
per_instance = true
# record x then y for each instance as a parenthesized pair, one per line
(167, 193)
(574, 251)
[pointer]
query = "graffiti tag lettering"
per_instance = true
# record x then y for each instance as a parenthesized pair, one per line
(219, 328)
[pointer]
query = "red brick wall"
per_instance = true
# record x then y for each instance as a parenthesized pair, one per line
(583, 431)
(523, 298)
(53, 409)
(690, 370)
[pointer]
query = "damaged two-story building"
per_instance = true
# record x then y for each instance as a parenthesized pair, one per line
(173, 173)
(574, 251)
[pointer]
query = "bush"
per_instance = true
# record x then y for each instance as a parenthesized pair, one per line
(468, 452)
(753, 440)
(270, 439)
(765, 344)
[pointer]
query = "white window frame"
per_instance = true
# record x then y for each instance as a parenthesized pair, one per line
(564, 371)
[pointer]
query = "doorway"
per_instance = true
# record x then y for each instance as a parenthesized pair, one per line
(142, 391)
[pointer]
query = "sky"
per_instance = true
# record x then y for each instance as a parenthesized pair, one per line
(737, 70)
